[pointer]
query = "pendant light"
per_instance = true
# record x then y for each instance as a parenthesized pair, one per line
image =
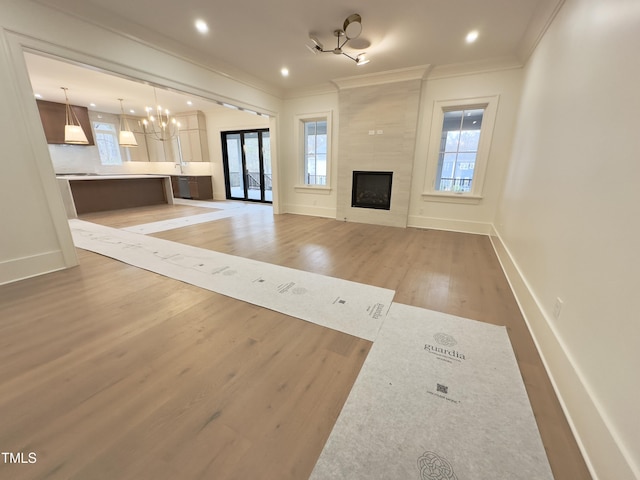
(126, 138)
(73, 132)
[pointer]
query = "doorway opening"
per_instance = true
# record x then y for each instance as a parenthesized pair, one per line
(246, 156)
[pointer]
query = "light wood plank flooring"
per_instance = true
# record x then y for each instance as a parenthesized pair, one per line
(112, 372)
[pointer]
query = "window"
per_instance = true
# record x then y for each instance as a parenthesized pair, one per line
(107, 142)
(458, 150)
(459, 147)
(315, 152)
(314, 147)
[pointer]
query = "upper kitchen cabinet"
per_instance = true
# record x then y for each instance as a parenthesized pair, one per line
(194, 146)
(163, 151)
(53, 117)
(139, 153)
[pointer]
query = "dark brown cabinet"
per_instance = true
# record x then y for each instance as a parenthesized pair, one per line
(53, 117)
(191, 186)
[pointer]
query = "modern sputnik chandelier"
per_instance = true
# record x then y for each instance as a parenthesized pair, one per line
(351, 29)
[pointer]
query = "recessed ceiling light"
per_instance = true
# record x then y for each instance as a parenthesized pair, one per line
(92, 104)
(189, 102)
(37, 95)
(132, 111)
(472, 36)
(285, 72)
(201, 26)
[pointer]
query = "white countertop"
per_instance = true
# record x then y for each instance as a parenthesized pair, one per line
(107, 177)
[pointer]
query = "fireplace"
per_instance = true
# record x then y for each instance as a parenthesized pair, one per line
(371, 190)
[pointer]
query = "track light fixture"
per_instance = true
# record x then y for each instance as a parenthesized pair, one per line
(351, 29)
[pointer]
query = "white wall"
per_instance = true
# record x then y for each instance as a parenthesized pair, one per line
(36, 237)
(33, 238)
(223, 119)
(424, 212)
(570, 220)
(459, 214)
(295, 198)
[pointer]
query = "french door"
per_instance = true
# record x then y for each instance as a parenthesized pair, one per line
(246, 155)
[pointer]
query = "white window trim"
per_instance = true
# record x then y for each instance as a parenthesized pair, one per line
(300, 142)
(490, 104)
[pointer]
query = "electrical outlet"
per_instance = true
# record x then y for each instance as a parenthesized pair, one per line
(557, 308)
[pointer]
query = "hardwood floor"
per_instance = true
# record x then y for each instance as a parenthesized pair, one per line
(108, 371)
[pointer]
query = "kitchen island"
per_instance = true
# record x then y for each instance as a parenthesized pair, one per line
(85, 193)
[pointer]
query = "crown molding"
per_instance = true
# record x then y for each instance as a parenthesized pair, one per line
(310, 91)
(544, 14)
(381, 78)
(471, 68)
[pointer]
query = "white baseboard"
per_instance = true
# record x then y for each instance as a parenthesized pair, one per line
(26, 267)
(449, 224)
(598, 443)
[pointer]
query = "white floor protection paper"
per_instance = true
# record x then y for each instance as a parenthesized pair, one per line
(348, 307)
(225, 211)
(441, 398)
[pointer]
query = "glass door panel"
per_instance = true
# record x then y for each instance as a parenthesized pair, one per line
(267, 179)
(252, 156)
(235, 168)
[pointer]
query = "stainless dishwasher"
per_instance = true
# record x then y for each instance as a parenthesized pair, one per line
(183, 187)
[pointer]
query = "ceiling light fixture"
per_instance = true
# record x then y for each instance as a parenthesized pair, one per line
(73, 132)
(126, 138)
(472, 36)
(160, 126)
(351, 29)
(201, 26)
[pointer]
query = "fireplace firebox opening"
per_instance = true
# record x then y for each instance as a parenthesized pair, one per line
(371, 190)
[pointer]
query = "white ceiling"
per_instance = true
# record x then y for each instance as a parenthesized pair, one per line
(253, 40)
(100, 91)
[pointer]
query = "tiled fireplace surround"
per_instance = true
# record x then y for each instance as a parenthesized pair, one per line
(378, 123)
